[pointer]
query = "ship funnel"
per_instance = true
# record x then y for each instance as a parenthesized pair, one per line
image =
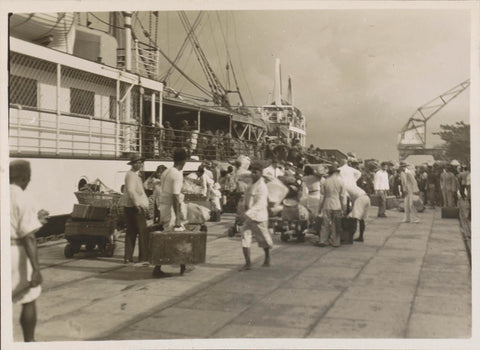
(278, 83)
(290, 91)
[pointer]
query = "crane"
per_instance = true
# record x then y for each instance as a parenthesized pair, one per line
(413, 136)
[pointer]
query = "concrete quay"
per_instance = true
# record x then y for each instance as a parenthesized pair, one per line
(406, 281)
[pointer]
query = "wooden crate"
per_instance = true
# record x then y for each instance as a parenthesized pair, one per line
(174, 248)
(89, 228)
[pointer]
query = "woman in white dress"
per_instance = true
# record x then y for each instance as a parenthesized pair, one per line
(312, 198)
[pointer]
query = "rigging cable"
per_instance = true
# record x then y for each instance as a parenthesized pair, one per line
(215, 42)
(182, 48)
(241, 64)
(198, 86)
(104, 22)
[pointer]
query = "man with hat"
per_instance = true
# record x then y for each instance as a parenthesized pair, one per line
(381, 186)
(256, 217)
(332, 206)
(409, 187)
(136, 206)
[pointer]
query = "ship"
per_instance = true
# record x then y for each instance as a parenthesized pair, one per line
(284, 120)
(81, 101)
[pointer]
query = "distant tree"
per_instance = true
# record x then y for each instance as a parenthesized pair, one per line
(457, 141)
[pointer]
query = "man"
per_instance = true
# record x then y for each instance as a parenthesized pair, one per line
(25, 269)
(430, 186)
(256, 217)
(349, 176)
(410, 187)
(448, 185)
(333, 206)
(136, 206)
(462, 180)
(361, 204)
(273, 171)
(171, 200)
(152, 185)
(381, 186)
(169, 137)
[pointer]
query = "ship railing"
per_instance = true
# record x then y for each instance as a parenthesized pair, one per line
(41, 132)
(159, 143)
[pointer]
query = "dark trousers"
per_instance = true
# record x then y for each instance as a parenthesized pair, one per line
(382, 206)
(136, 223)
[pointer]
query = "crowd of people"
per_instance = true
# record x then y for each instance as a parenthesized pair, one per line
(330, 191)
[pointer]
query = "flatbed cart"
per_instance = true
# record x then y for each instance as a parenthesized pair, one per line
(94, 234)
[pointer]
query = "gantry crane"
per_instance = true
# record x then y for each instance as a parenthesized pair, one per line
(413, 136)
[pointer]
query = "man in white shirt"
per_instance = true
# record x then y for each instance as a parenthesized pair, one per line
(256, 217)
(273, 171)
(25, 269)
(136, 206)
(171, 200)
(348, 174)
(381, 186)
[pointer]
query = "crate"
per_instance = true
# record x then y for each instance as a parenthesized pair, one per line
(89, 212)
(348, 226)
(89, 228)
(450, 213)
(174, 248)
(194, 197)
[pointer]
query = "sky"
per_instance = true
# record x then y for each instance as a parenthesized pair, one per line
(358, 75)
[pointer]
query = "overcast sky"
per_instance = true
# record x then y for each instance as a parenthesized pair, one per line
(358, 75)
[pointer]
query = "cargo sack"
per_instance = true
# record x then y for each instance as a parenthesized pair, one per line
(197, 214)
(277, 191)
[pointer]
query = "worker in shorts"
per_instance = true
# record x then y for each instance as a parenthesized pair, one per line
(361, 204)
(256, 217)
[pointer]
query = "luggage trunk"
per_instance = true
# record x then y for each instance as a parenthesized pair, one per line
(349, 226)
(450, 213)
(174, 248)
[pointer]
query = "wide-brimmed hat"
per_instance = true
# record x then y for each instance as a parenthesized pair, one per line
(403, 165)
(135, 158)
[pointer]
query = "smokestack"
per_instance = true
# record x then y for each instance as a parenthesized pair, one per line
(278, 83)
(290, 91)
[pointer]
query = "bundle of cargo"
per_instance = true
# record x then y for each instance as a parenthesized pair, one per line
(93, 221)
(98, 195)
(192, 190)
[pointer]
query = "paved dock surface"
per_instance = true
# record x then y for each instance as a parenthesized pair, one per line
(404, 281)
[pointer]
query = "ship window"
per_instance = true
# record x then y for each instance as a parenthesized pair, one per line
(23, 91)
(82, 101)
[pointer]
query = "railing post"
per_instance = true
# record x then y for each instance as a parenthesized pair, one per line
(157, 61)
(57, 117)
(89, 135)
(136, 57)
(19, 128)
(117, 120)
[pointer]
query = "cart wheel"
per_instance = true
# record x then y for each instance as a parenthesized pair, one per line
(76, 247)
(68, 251)
(109, 249)
(284, 237)
(89, 247)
